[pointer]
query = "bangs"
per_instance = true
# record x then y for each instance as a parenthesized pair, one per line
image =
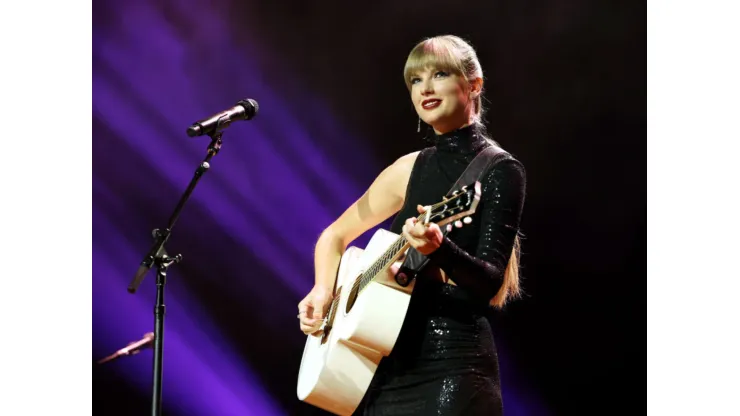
(433, 53)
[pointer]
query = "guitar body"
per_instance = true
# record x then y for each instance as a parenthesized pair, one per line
(368, 310)
(337, 367)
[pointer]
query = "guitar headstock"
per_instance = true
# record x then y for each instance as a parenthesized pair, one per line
(461, 204)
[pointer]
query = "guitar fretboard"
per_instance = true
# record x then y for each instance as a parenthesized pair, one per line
(383, 261)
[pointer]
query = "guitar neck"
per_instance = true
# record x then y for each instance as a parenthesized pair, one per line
(449, 209)
(391, 255)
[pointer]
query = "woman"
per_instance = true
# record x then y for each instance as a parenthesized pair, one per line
(444, 361)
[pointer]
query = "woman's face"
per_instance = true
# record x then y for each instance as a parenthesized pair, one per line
(441, 99)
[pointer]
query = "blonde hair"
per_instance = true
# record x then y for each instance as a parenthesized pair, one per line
(453, 54)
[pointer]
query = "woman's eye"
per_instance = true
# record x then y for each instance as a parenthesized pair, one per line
(440, 74)
(415, 80)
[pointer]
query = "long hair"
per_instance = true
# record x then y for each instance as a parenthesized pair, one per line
(453, 54)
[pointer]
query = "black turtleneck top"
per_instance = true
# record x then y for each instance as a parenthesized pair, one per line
(475, 256)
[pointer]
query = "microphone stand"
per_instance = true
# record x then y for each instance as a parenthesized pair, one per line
(158, 256)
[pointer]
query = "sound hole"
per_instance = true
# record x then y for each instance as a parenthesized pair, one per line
(352, 298)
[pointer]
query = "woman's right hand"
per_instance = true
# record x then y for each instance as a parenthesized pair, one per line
(313, 308)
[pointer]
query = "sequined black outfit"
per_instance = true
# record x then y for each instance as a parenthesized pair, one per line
(445, 361)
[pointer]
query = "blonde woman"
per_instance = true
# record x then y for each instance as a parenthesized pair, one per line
(444, 361)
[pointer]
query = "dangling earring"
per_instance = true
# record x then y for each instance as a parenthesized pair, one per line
(418, 127)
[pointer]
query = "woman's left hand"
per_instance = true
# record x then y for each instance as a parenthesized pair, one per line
(424, 238)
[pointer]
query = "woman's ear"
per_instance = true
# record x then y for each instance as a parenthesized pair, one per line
(476, 86)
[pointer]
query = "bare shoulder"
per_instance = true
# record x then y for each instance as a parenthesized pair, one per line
(403, 166)
(408, 160)
(384, 197)
(394, 179)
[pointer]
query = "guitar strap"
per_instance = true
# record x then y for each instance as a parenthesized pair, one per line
(415, 261)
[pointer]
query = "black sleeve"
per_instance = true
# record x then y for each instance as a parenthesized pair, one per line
(501, 206)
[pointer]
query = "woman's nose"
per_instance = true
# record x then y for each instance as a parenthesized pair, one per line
(427, 88)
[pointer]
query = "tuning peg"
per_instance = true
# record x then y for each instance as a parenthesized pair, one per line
(467, 220)
(458, 224)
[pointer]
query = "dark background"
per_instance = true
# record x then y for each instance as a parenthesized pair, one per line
(565, 90)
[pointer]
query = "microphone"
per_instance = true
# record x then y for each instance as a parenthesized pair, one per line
(132, 348)
(243, 110)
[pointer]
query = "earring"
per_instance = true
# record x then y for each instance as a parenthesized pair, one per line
(418, 127)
